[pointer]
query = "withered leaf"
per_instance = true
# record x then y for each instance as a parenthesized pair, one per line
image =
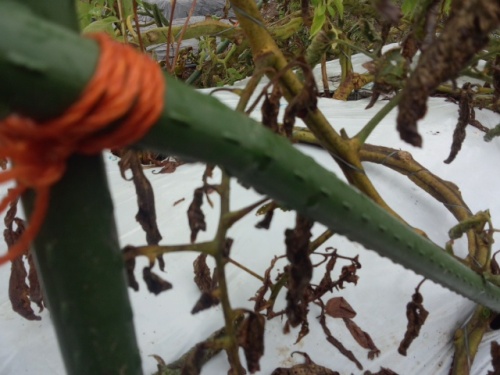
(390, 12)
(19, 291)
(300, 270)
(303, 103)
(251, 339)
(338, 307)
(495, 358)
(465, 113)
(168, 166)
(336, 343)
(465, 33)
(35, 291)
(266, 222)
(306, 368)
(416, 315)
(155, 283)
(362, 338)
(146, 215)
(270, 109)
(129, 268)
(207, 300)
(196, 217)
(383, 371)
(202, 276)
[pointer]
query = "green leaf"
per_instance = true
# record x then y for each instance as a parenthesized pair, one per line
(330, 9)
(317, 24)
(339, 4)
(105, 25)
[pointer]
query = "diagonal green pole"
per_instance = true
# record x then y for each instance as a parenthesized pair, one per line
(199, 127)
(77, 253)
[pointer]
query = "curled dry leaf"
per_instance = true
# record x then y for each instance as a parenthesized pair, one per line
(202, 276)
(303, 103)
(495, 358)
(464, 34)
(271, 108)
(155, 283)
(129, 268)
(466, 116)
(383, 371)
(299, 271)
(336, 343)
(196, 217)
(207, 300)
(251, 339)
(416, 315)
(338, 307)
(362, 338)
(20, 293)
(306, 368)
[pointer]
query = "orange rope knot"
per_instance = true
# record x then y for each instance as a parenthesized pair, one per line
(127, 86)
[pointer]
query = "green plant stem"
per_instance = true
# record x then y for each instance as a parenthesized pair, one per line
(76, 253)
(217, 135)
(364, 133)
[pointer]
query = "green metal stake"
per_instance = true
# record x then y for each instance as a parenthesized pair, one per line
(77, 253)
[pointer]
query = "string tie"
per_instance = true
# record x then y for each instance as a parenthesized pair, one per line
(121, 102)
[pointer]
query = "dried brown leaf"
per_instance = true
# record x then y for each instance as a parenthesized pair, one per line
(495, 358)
(207, 300)
(196, 217)
(251, 339)
(270, 109)
(202, 276)
(465, 33)
(306, 368)
(416, 315)
(35, 291)
(129, 268)
(362, 338)
(389, 11)
(383, 371)
(338, 307)
(155, 283)
(266, 222)
(299, 271)
(336, 343)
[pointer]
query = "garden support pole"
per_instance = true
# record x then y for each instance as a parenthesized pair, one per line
(77, 253)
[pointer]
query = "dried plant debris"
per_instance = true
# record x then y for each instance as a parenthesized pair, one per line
(338, 307)
(270, 109)
(155, 283)
(268, 211)
(336, 343)
(466, 116)
(251, 339)
(299, 271)
(168, 165)
(196, 217)
(304, 102)
(383, 371)
(495, 358)
(129, 268)
(21, 294)
(416, 315)
(146, 216)
(206, 283)
(464, 34)
(389, 71)
(306, 368)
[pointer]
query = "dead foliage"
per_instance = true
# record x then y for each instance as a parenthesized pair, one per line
(416, 315)
(251, 339)
(465, 33)
(466, 116)
(383, 371)
(207, 284)
(196, 217)
(24, 286)
(299, 271)
(270, 109)
(306, 368)
(495, 358)
(155, 283)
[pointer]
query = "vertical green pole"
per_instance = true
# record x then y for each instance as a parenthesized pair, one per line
(78, 255)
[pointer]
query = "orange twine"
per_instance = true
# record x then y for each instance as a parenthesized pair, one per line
(127, 86)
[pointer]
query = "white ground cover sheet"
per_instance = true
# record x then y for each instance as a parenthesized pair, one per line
(164, 325)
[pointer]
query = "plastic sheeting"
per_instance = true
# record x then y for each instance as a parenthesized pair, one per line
(165, 327)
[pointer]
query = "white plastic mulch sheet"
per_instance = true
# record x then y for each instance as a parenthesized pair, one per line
(166, 328)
